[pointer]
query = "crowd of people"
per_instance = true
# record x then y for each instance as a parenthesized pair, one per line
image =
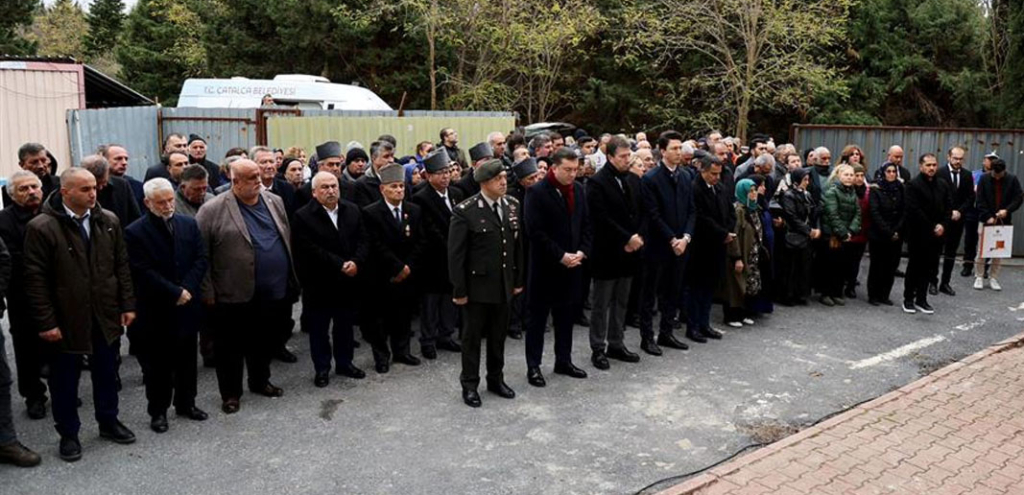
(208, 259)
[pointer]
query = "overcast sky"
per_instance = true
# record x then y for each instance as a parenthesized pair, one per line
(85, 3)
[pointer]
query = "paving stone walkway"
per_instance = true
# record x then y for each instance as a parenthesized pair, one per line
(959, 430)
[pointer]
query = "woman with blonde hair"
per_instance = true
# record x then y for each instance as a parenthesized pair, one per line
(840, 221)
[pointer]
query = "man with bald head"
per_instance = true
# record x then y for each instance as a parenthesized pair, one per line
(895, 157)
(112, 192)
(79, 291)
(251, 278)
(117, 156)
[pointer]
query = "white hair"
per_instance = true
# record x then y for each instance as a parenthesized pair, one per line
(153, 186)
(320, 177)
(821, 149)
(18, 175)
(765, 160)
(687, 149)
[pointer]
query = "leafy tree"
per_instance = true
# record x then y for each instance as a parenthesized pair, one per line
(106, 19)
(15, 16)
(58, 30)
(162, 47)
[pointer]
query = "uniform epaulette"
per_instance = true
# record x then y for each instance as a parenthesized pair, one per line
(465, 203)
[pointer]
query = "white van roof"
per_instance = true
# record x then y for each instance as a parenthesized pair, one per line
(295, 90)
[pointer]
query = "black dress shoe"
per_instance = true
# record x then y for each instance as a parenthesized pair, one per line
(351, 371)
(515, 334)
(695, 336)
(933, 289)
(118, 433)
(230, 406)
(887, 302)
(286, 356)
(322, 379)
(408, 360)
(19, 455)
(501, 390)
(600, 360)
(268, 390)
(428, 352)
(623, 354)
(677, 324)
(947, 290)
(666, 340)
(850, 293)
(36, 408)
(70, 449)
(873, 302)
(471, 398)
(535, 377)
(569, 369)
(382, 368)
(650, 347)
(449, 345)
(967, 271)
(193, 413)
(159, 423)
(711, 333)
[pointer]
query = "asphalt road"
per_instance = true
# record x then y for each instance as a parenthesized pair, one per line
(615, 432)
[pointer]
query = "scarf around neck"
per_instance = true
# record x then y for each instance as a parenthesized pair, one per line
(566, 190)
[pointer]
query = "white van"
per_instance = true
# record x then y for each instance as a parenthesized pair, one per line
(288, 90)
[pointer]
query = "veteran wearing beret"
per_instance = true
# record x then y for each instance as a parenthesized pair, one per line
(485, 264)
(478, 155)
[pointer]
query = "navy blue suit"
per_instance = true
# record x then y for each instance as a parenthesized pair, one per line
(551, 287)
(668, 202)
(163, 263)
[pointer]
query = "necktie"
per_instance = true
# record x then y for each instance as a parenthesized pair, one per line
(447, 202)
(82, 232)
(497, 211)
(956, 179)
(398, 216)
(170, 227)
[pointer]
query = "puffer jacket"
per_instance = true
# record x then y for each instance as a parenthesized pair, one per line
(841, 216)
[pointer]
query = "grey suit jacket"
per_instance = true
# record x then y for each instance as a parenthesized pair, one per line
(232, 275)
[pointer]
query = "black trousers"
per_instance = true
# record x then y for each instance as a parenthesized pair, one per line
(563, 317)
(970, 238)
(386, 320)
(168, 359)
(7, 433)
(663, 282)
(885, 259)
(950, 244)
(855, 253)
(245, 337)
(483, 321)
(922, 266)
(30, 353)
(65, 372)
(437, 322)
(794, 269)
(839, 263)
(324, 345)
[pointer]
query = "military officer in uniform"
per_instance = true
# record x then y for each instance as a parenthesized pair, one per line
(485, 264)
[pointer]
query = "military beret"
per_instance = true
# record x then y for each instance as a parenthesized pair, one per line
(525, 168)
(436, 162)
(480, 151)
(195, 137)
(391, 172)
(330, 149)
(488, 170)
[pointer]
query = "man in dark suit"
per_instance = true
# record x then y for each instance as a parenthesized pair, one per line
(117, 157)
(437, 200)
(615, 199)
(113, 193)
(330, 160)
(395, 229)
(29, 351)
(168, 261)
(483, 280)
(367, 188)
(173, 143)
(477, 154)
(929, 211)
(524, 175)
(668, 202)
(331, 247)
(244, 228)
(34, 158)
(197, 156)
(961, 182)
(714, 228)
(558, 224)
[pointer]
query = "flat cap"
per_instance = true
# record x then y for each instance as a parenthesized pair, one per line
(436, 162)
(391, 173)
(480, 151)
(488, 170)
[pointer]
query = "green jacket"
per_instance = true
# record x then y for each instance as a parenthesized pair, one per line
(842, 212)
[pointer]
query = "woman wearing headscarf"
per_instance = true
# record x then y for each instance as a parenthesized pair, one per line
(291, 171)
(886, 207)
(762, 302)
(795, 256)
(840, 222)
(743, 256)
(859, 242)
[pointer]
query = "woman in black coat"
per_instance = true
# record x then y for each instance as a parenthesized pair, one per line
(887, 208)
(795, 255)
